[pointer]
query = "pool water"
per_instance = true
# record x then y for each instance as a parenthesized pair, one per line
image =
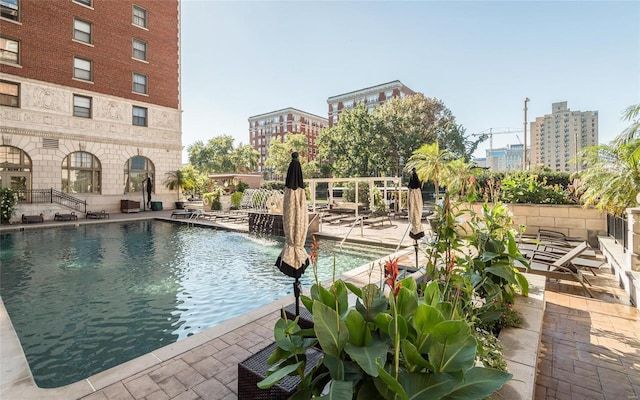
(84, 299)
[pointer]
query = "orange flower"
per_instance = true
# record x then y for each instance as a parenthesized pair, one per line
(313, 254)
(452, 263)
(391, 275)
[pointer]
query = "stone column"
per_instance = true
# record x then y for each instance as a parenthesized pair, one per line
(633, 238)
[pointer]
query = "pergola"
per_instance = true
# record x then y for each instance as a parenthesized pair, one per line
(389, 184)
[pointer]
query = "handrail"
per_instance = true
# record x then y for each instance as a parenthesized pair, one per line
(358, 219)
(42, 196)
(402, 238)
(312, 219)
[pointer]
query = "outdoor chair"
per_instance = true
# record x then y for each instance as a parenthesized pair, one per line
(562, 268)
(181, 213)
(102, 214)
(30, 219)
(378, 218)
(65, 217)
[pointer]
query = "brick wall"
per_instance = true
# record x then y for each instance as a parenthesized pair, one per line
(47, 49)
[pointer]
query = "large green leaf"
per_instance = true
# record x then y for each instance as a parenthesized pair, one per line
(524, 283)
(451, 331)
(277, 375)
(339, 390)
(331, 331)
(432, 293)
(424, 321)
(420, 386)
(479, 383)
(373, 302)
(366, 356)
(382, 322)
(335, 366)
(504, 271)
(407, 302)
(391, 384)
(447, 357)
(413, 359)
(359, 334)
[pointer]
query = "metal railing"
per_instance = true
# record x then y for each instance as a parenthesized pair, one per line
(50, 196)
(617, 228)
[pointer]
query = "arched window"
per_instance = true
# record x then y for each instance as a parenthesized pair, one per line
(81, 173)
(136, 169)
(15, 169)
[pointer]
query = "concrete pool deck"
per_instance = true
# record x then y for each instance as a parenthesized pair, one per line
(594, 340)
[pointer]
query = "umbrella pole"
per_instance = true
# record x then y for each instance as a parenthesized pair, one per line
(296, 292)
(415, 246)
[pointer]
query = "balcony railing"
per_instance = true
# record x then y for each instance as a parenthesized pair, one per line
(617, 228)
(44, 196)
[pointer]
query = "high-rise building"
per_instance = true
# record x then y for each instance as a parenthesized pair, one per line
(372, 97)
(556, 138)
(90, 97)
(276, 125)
(507, 158)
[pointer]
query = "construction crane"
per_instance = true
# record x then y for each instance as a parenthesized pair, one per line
(488, 133)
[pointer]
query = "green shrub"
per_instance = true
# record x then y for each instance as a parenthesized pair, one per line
(236, 198)
(241, 186)
(273, 185)
(8, 200)
(213, 198)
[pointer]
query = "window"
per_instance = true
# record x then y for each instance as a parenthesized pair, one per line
(139, 116)
(81, 173)
(9, 50)
(136, 170)
(139, 83)
(9, 94)
(81, 106)
(139, 50)
(85, 2)
(9, 9)
(82, 69)
(139, 16)
(388, 94)
(81, 31)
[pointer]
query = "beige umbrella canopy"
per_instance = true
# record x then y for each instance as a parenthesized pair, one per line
(415, 206)
(293, 259)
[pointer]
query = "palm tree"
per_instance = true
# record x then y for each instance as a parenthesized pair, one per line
(612, 180)
(429, 162)
(632, 113)
(175, 180)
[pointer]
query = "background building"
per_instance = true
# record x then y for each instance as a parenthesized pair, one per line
(557, 137)
(507, 158)
(371, 96)
(275, 125)
(90, 97)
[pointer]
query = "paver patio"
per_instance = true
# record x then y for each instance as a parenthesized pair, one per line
(590, 348)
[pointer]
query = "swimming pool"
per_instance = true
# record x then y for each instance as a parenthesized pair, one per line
(84, 299)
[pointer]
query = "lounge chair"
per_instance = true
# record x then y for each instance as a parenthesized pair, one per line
(102, 214)
(181, 213)
(378, 218)
(562, 267)
(30, 219)
(65, 217)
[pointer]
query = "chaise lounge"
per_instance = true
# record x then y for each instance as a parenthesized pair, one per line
(32, 219)
(65, 217)
(97, 214)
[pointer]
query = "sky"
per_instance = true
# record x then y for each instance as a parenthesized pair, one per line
(480, 58)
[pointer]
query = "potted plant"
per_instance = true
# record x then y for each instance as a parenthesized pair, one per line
(8, 201)
(176, 180)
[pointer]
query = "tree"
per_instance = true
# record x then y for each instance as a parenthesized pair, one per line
(245, 158)
(280, 155)
(354, 147)
(216, 156)
(410, 122)
(632, 113)
(430, 163)
(612, 180)
(175, 180)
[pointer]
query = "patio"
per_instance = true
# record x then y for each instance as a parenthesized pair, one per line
(589, 347)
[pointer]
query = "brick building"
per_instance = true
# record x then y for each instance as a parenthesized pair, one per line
(90, 97)
(372, 96)
(275, 125)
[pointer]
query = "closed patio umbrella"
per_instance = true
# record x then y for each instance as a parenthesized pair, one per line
(415, 210)
(293, 259)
